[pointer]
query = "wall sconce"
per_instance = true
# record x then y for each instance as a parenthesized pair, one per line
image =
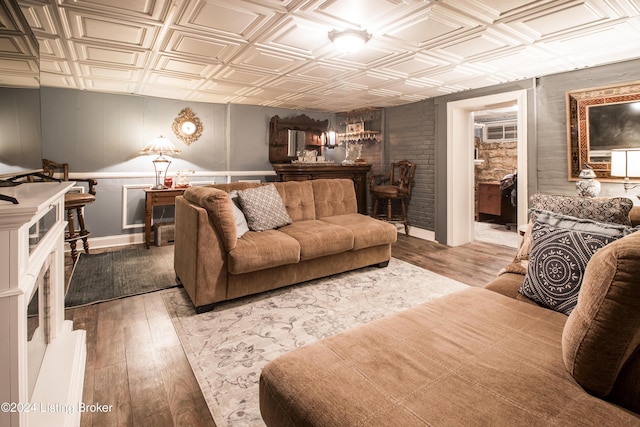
(160, 146)
(330, 137)
(349, 41)
(626, 163)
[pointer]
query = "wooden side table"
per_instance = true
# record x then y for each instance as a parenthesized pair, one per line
(165, 197)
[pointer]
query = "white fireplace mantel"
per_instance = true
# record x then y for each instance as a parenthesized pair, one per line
(46, 389)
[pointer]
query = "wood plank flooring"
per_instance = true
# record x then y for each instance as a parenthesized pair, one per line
(135, 361)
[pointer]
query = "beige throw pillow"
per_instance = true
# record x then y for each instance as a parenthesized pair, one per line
(263, 208)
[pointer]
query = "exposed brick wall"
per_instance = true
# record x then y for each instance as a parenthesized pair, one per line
(410, 133)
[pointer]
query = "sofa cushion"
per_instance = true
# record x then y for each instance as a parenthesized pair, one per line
(220, 209)
(297, 197)
(319, 238)
(367, 231)
(263, 208)
(602, 209)
(603, 331)
(259, 251)
(562, 246)
(334, 197)
(473, 357)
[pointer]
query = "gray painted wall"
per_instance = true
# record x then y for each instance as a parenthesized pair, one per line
(101, 134)
(552, 122)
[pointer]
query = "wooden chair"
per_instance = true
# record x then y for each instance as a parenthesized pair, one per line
(393, 189)
(74, 202)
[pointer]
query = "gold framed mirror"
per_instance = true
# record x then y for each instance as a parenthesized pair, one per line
(598, 120)
(187, 126)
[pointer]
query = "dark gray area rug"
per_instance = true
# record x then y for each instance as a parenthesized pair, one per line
(111, 275)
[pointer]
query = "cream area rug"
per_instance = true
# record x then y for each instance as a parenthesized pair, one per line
(228, 347)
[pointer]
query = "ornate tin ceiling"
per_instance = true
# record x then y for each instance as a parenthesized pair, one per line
(277, 52)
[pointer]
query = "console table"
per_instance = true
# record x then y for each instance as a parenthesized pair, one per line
(164, 197)
(306, 171)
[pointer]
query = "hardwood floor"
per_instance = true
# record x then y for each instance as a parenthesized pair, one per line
(136, 364)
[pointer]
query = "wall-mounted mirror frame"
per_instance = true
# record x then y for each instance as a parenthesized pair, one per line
(599, 119)
(282, 149)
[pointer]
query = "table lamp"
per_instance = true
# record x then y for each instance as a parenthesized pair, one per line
(626, 163)
(160, 146)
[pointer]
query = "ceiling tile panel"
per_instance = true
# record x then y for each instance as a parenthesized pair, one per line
(17, 66)
(53, 66)
(88, 28)
(134, 59)
(173, 79)
(56, 80)
(39, 17)
(262, 59)
(12, 46)
(109, 73)
(147, 8)
(196, 69)
(563, 20)
(208, 49)
(108, 86)
(242, 76)
(300, 36)
(234, 18)
(426, 29)
(356, 13)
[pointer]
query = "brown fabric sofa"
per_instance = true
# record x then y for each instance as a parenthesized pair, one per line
(327, 236)
(477, 357)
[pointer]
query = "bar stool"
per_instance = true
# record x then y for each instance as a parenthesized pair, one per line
(74, 204)
(395, 187)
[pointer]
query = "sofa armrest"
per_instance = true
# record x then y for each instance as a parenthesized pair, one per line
(508, 284)
(200, 259)
(634, 216)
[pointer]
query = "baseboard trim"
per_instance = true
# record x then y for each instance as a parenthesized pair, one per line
(420, 233)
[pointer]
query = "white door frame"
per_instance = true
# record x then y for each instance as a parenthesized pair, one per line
(460, 166)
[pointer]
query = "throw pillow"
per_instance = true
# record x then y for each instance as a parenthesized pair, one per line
(561, 248)
(241, 221)
(263, 208)
(603, 209)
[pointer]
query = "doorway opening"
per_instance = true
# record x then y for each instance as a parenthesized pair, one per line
(495, 174)
(461, 194)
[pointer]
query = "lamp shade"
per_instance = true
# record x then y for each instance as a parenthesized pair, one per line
(625, 162)
(160, 145)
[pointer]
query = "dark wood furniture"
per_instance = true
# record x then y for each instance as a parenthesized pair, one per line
(394, 188)
(306, 171)
(278, 135)
(494, 204)
(163, 197)
(74, 203)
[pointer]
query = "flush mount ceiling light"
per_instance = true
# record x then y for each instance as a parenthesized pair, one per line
(349, 41)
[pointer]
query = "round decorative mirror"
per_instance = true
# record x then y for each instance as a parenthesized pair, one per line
(187, 126)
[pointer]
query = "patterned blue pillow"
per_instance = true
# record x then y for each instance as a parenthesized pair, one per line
(562, 247)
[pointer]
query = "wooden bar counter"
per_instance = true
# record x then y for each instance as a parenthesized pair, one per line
(306, 171)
